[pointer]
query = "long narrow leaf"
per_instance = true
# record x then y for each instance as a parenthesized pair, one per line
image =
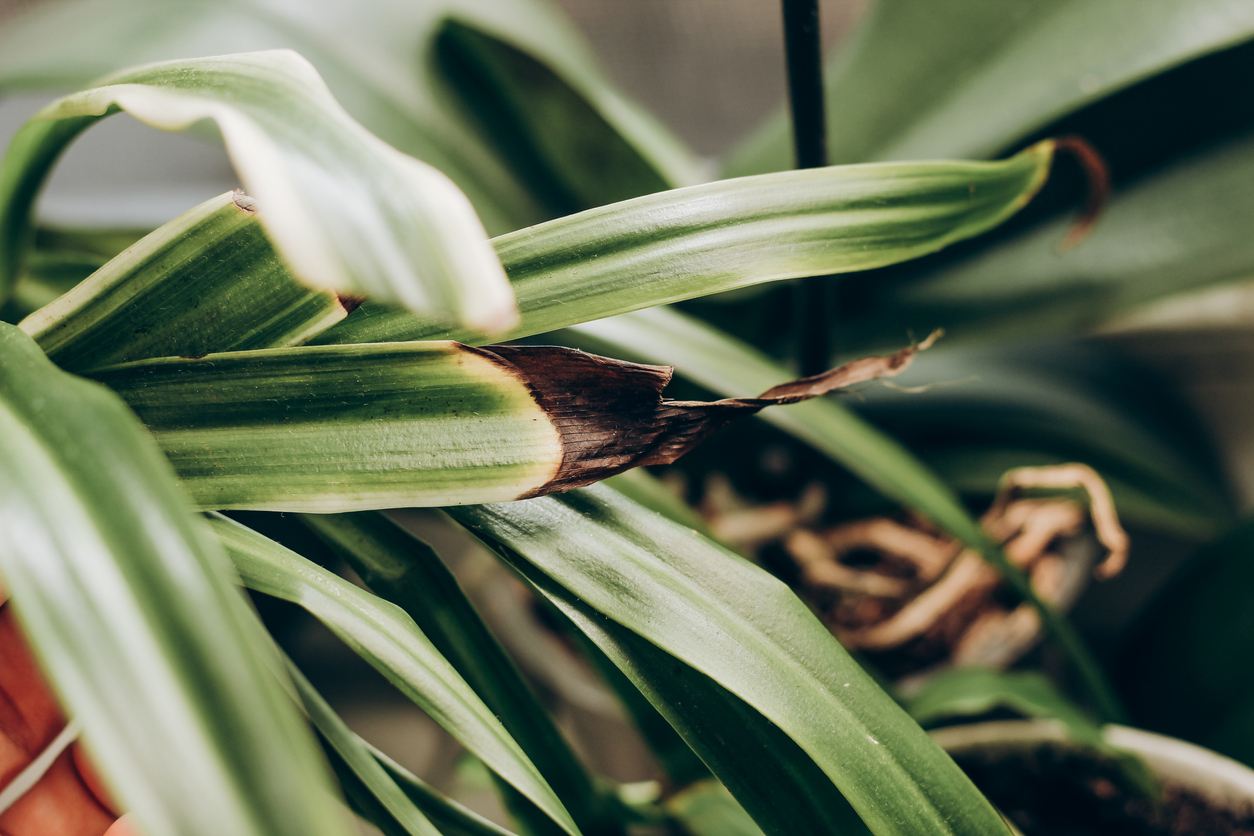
(386, 425)
(778, 783)
(745, 630)
(407, 572)
(206, 281)
(129, 604)
(1173, 231)
(408, 805)
(388, 639)
(719, 236)
(346, 211)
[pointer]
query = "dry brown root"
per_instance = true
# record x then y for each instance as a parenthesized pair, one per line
(814, 558)
(928, 553)
(1101, 506)
(749, 527)
(958, 614)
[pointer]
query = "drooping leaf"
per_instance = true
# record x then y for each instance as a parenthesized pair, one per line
(970, 78)
(388, 425)
(402, 569)
(395, 801)
(129, 604)
(724, 365)
(387, 638)
(346, 211)
(734, 623)
(720, 236)
(383, 60)
(206, 281)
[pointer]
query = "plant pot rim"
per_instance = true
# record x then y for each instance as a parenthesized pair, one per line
(1221, 780)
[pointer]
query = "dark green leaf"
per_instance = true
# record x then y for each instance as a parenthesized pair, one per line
(736, 624)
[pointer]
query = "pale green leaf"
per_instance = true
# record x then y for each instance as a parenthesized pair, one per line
(346, 211)
(343, 428)
(206, 281)
(386, 637)
(720, 236)
(130, 606)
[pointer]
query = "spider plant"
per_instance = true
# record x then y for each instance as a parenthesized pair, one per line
(226, 361)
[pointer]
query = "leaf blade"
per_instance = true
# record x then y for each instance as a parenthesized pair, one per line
(345, 210)
(720, 236)
(747, 631)
(387, 638)
(131, 607)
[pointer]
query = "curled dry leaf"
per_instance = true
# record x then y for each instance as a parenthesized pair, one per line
(925, 600)
(610, 415)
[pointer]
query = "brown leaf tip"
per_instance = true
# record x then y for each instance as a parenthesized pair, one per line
(1098, 173)
(611, 416)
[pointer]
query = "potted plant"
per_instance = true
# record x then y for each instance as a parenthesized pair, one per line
(240, 364)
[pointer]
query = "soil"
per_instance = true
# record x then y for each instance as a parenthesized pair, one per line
(1051, 791)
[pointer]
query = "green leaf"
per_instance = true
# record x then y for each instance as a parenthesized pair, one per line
(745, 630)
(970, 78)
(724, 365)
(574, 145)
(405, 571)
(344, 428)
(396, 801)
(642, 487)
(706, 809)
(382, 59)
(681, 765)
(1173, 231)
(369, 786)
(206, 281)
(130, 606)
(346, 211)
(970, 692)
(720, 236)
(387, 638)
(780, 786)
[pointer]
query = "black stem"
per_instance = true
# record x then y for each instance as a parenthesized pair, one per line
(804, 56)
